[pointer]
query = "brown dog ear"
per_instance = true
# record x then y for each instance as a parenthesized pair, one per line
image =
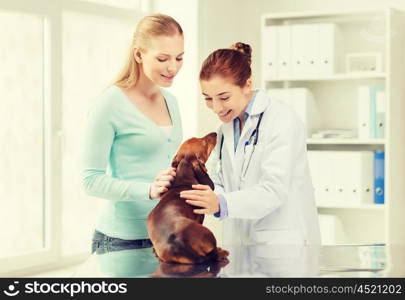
(202, 165)
(176, 160)
(201, 174)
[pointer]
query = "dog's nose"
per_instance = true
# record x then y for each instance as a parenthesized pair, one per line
(213, 134)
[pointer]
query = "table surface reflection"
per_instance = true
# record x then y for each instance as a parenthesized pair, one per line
(258, 261)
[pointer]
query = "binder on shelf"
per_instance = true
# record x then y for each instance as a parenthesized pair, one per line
(298, 41)
(352, 177)
(311, 50)
(342, 177)
(284, 50)
(304, 49)
(329, 42)
(269, 51)
(364, 112)
(359, 171)
(380, 114)
(314, 49)
(326, 183)
(371, 112)
(299, 50)
(379, 191)
(343, 182)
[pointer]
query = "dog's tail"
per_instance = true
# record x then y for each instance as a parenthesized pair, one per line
(182, 251)
(217, 254)
(195, 243)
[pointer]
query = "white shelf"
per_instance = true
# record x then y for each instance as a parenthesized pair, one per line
(336, 99)
(346, 141)
(342, 76)
(336, 205)
(316, 14)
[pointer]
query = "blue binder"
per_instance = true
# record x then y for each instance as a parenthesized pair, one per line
(379, 177)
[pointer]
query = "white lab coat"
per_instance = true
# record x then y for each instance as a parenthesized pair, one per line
(274, 202)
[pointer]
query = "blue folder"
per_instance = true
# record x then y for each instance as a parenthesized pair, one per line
(379, 177)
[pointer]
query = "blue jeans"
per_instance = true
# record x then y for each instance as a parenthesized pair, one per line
(102, 243)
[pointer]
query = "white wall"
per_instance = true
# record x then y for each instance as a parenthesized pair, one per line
(219, 28)
(185, 87)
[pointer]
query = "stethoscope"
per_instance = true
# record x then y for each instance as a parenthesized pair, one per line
(253, 139)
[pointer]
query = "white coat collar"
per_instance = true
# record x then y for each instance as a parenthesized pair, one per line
(261, 102)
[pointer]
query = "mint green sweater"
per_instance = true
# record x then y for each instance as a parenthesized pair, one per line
(123, 152)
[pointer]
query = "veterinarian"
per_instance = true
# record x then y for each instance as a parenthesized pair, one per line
(263, 190)
(133, 132)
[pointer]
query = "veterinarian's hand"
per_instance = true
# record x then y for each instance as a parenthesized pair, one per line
(202, 196)
(162, 183)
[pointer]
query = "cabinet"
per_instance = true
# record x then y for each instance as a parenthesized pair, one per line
(335, 91)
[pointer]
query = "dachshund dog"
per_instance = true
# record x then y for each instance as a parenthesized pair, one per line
(176, 232)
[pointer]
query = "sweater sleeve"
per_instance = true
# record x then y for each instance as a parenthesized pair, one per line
(98, 139)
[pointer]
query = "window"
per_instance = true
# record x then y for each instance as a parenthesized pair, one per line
(94, 48)
(131, 4)
(55, 57)
(22, 134)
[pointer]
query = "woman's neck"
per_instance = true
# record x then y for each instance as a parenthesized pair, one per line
(241, 116)
(145, 87)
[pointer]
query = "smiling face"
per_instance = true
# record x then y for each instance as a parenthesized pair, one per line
(224, 98)
(163, 59)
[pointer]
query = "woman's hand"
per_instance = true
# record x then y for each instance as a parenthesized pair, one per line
(161, 183)
(202, 196)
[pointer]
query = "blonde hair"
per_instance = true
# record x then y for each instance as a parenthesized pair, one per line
(150, 26)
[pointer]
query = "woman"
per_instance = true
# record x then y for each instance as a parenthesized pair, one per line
(133, 131)
(263, 190)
